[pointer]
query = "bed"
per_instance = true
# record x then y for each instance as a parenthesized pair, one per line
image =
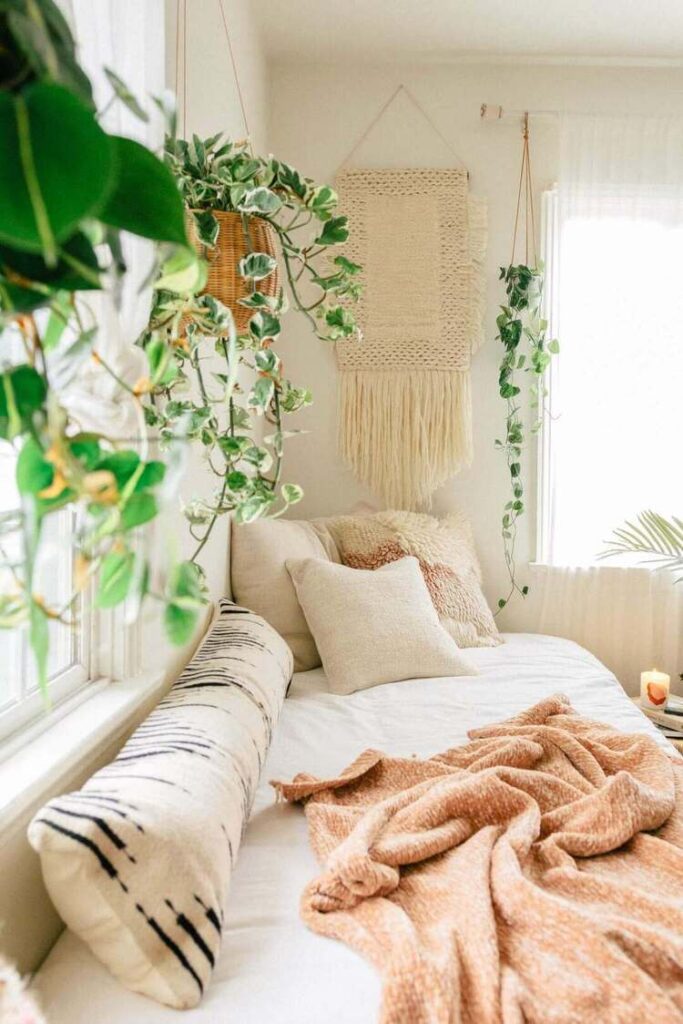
(271, 968)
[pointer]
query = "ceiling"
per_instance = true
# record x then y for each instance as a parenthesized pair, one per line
(338, 30)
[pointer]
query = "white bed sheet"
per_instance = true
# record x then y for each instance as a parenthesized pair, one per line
(271, 969)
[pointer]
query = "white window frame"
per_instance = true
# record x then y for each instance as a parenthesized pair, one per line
(111, 649)
(29, 705)
(550, 250)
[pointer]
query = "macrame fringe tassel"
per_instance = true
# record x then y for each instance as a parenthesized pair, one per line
(404, 433)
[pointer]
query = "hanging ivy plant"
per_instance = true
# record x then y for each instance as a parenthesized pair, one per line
(523, 333)
(218, 403)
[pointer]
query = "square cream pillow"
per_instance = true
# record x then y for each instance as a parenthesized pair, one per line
(260, 581)
(374, 626)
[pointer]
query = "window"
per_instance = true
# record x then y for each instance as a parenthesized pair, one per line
(68, 662)
(614, 298)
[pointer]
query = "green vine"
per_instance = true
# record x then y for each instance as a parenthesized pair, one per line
(523, 334)
(218, 404)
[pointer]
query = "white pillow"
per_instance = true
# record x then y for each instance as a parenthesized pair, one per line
(374, 626)
(261, 582)
(138, 862)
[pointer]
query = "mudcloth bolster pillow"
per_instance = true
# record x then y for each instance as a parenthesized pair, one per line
(138, 862)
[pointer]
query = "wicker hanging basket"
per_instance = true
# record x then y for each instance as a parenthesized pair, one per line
(224, 280)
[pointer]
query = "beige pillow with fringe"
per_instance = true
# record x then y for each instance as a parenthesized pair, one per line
(447, 556)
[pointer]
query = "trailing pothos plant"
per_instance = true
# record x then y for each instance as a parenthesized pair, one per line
(216, 175)
(211, 382)
(60, 239)
(523, 334)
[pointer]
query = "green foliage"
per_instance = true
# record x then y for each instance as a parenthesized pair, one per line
(217, 407)
(59, 237)
(215, 175)
(210, 406)
(43, 196)
(65, 187)
(652, 535)
(186, 595)
(144, 199)
(520, 325)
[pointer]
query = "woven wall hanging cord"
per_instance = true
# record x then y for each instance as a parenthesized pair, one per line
(181, 6)
(525, 200)
(380, 114)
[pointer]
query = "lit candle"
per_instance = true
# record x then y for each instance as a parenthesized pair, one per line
(654, 689)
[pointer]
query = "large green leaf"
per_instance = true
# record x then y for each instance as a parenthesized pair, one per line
(139, 509)
(33, 472)
(180, 623)
(257, 265)
(186, 597)
(145, 199)
(76, 268)
(334, 232)
(57, 167)
(43, 40)
(122, 464)
(116, 576)
(22, 393)
(17, 299)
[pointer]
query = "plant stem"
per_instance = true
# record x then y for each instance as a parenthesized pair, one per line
(211, 525)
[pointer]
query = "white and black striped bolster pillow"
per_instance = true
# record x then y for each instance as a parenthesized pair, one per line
(138, 862)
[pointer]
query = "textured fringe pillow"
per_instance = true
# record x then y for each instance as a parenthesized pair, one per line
(261, 582)
(447, 556)
(138, 862)
(374, 627)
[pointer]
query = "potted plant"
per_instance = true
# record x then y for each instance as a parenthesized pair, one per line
(257, 220)
(522, 332)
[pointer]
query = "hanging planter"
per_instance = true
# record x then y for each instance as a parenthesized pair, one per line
(523, 333)
(256, 221)
(236, 236)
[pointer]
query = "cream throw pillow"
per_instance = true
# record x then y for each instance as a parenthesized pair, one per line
(261, 582)
(374, 627)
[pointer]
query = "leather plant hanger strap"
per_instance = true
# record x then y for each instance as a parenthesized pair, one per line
(183, 77)
(526, 190)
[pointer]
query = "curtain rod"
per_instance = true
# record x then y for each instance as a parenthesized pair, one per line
(494, 112)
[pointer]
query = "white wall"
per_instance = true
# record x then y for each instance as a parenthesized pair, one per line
(317, 113)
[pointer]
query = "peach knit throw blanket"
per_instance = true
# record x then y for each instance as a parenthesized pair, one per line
(532, 875)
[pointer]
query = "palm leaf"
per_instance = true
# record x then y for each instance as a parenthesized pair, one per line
(651, 534)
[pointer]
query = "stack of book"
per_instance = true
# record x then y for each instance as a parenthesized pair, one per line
(669, 722)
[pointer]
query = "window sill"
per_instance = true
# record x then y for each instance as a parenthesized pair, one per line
(99, 714)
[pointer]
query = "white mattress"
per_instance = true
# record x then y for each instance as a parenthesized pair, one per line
(271, 969)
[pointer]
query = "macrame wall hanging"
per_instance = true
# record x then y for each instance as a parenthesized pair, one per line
(405, 418)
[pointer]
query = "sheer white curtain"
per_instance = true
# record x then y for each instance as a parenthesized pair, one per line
(127, 36)
(614, 240)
